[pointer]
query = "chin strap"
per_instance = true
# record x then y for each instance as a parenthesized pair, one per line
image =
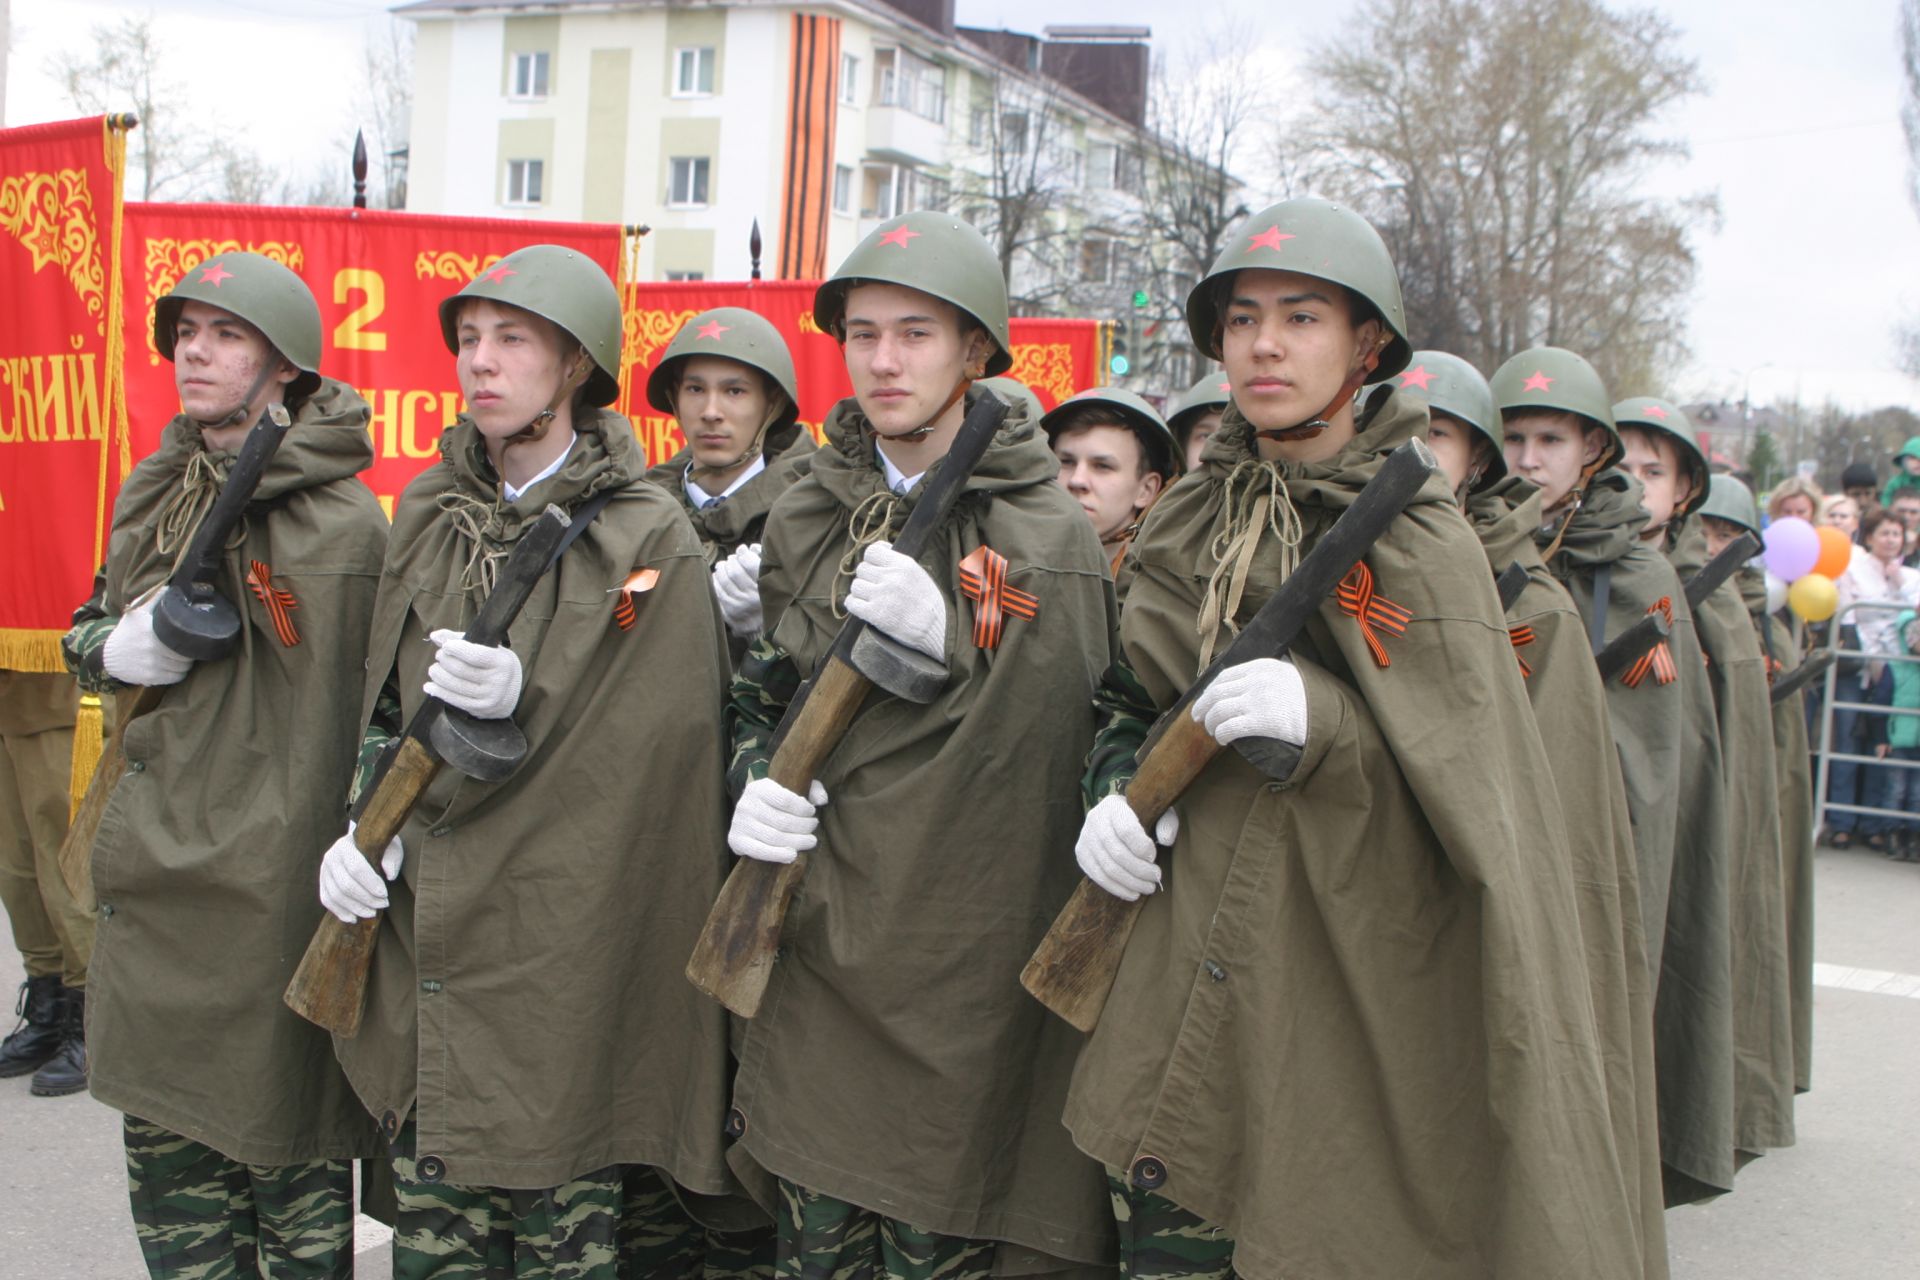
(925, 429)
(239, 415)
(1319, 422)
(536, 430)
(1579, 496)
(759, 440)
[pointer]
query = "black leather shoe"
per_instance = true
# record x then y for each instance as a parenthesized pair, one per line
(66, 1071)
(36, 1038)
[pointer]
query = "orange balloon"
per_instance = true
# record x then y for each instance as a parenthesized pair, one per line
(1836, 552)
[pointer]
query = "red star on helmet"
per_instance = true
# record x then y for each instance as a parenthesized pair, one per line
(1226, 388)
(500, 273)
(899, 236)
(213, 273)
(1268, 239)
(1655, 411)
(711, 329)
(1538, 382)
(1418, 376)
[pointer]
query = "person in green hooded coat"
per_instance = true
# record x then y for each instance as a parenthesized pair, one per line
(1570, 710)
(1662, 455)
(240, 1128)
(727, 378)
(1558, 424)
(528, 1044)
(1906, 472)
(1352, 1032)
(898, 1093)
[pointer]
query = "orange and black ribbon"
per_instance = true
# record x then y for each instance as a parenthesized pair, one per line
(639, 580)
(279, 601)
(1521, 634)
(1774, 668)
(1374, 613)
(1658, 659)
(983, 579)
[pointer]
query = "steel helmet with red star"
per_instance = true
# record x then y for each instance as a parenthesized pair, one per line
(1312, 238)
(563, 287)
(265, 294)
(1454, 387)
(1163, 456)
(1211, 392)
(737, 334)
(1651, 413)
(1555, 379)
(937, 254)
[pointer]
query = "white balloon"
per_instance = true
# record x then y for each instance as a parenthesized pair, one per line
(1776, 593)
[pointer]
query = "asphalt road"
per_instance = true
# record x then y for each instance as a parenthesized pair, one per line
(1844, 1204)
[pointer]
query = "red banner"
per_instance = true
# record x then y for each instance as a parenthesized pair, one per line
(60, 406)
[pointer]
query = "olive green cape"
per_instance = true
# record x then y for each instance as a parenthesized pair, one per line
(1670, 760)
(1757, 926)
(526, 1002)
(1355, 1024)
(896, 1062)
(725, 526)
(1570, 710)
(208, 854)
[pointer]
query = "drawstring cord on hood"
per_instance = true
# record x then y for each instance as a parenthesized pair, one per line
(1252, 508)
(471, 517)
(180, 519)
(870, 521)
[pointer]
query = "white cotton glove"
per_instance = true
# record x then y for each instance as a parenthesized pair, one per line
(1114, 852)
(348, 886)
(1263, 698)
(893, 594)
(134, 655)
(736, 585)
(774, 824)
(480, 680)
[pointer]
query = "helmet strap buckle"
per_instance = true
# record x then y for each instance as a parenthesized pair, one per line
(576, 377)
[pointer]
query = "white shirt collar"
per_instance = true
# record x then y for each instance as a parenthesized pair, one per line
(897, 480)
(513, 495)
(702, 499)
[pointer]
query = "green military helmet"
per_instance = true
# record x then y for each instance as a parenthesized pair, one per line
(260, 291)
(937, 254)
(1163, 455)
(1729, 500)
(1211, 392)
(559, 285)
(1557, 380)
(740, 335)
(1314, 238)
(1454, 387)
(1015, 394)
(1651, 413)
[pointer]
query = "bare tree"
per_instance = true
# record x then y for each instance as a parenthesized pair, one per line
(386, 98)
(1019, 175)
(124, 73)
(1497, 144)
(1910, 93)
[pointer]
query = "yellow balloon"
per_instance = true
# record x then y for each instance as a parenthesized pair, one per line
(1814, 597)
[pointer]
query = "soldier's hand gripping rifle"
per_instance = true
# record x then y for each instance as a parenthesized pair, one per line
(191, 617)
(1811, 668)
(329, 988)
(733, 958)
(1073, 968)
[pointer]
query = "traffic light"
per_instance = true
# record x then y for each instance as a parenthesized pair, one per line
(1117, 362)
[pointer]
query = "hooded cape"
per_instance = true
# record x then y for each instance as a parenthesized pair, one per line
(526, 1003)
(896, 1062)
(209, 849)
(1355, 1024)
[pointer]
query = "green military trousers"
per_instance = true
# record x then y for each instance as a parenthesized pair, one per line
(53, 932)
(821, 1238)
(1161, 1241)
(201, 1216)
(659, 1239)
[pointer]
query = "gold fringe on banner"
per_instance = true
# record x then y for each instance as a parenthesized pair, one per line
(89, 741)
(117, 430)
(26, 650)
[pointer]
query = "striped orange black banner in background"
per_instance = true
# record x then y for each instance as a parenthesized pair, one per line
(811, 105)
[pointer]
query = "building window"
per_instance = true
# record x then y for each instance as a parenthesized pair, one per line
(693, 72)
(843, 188)
(525, 181)
(880, 191)
(1013, 132)
(1096, 260)
(931, 193)
(1128, 171)
(529, 76)
(849, 79)
(681, 277)
(687, 182)
(980, 128)
(912, 83)
(1100, 165)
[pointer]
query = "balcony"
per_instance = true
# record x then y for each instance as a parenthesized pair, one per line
(899, 134)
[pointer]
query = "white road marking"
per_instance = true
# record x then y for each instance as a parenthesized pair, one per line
(1878, 981)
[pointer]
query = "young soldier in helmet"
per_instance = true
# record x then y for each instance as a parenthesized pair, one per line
(897, 1082)
(728, 378)
(240, 1128)
(1560, 436)
(1116, 457)
(1333, 959)
(1195, 416)
(574, 887)
(1662, 455)
(1728, 512)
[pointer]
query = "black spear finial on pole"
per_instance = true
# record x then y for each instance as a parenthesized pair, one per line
(753, 247)
(359, 169)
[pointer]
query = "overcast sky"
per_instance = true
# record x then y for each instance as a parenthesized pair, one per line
(1816, 259)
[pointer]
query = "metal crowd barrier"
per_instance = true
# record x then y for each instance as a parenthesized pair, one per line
(1825, 755)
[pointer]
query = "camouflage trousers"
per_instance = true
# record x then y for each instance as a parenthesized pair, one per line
(659, 1241)
(444, 1231)
(1161, 1241)
(822, 1238)
(201, 1216)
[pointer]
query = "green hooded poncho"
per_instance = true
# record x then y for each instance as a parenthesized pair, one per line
(1762, 1004)
(1670, 760)
(725, 526)
(896, 1063)
(1355, 1024)
(1570, 710)
(526, 1003)
(208, 854)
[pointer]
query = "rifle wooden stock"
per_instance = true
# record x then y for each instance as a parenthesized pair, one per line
(76, 851)
(1810, 669)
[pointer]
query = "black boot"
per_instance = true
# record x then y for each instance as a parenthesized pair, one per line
(37, 1036)
(67, 1071)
